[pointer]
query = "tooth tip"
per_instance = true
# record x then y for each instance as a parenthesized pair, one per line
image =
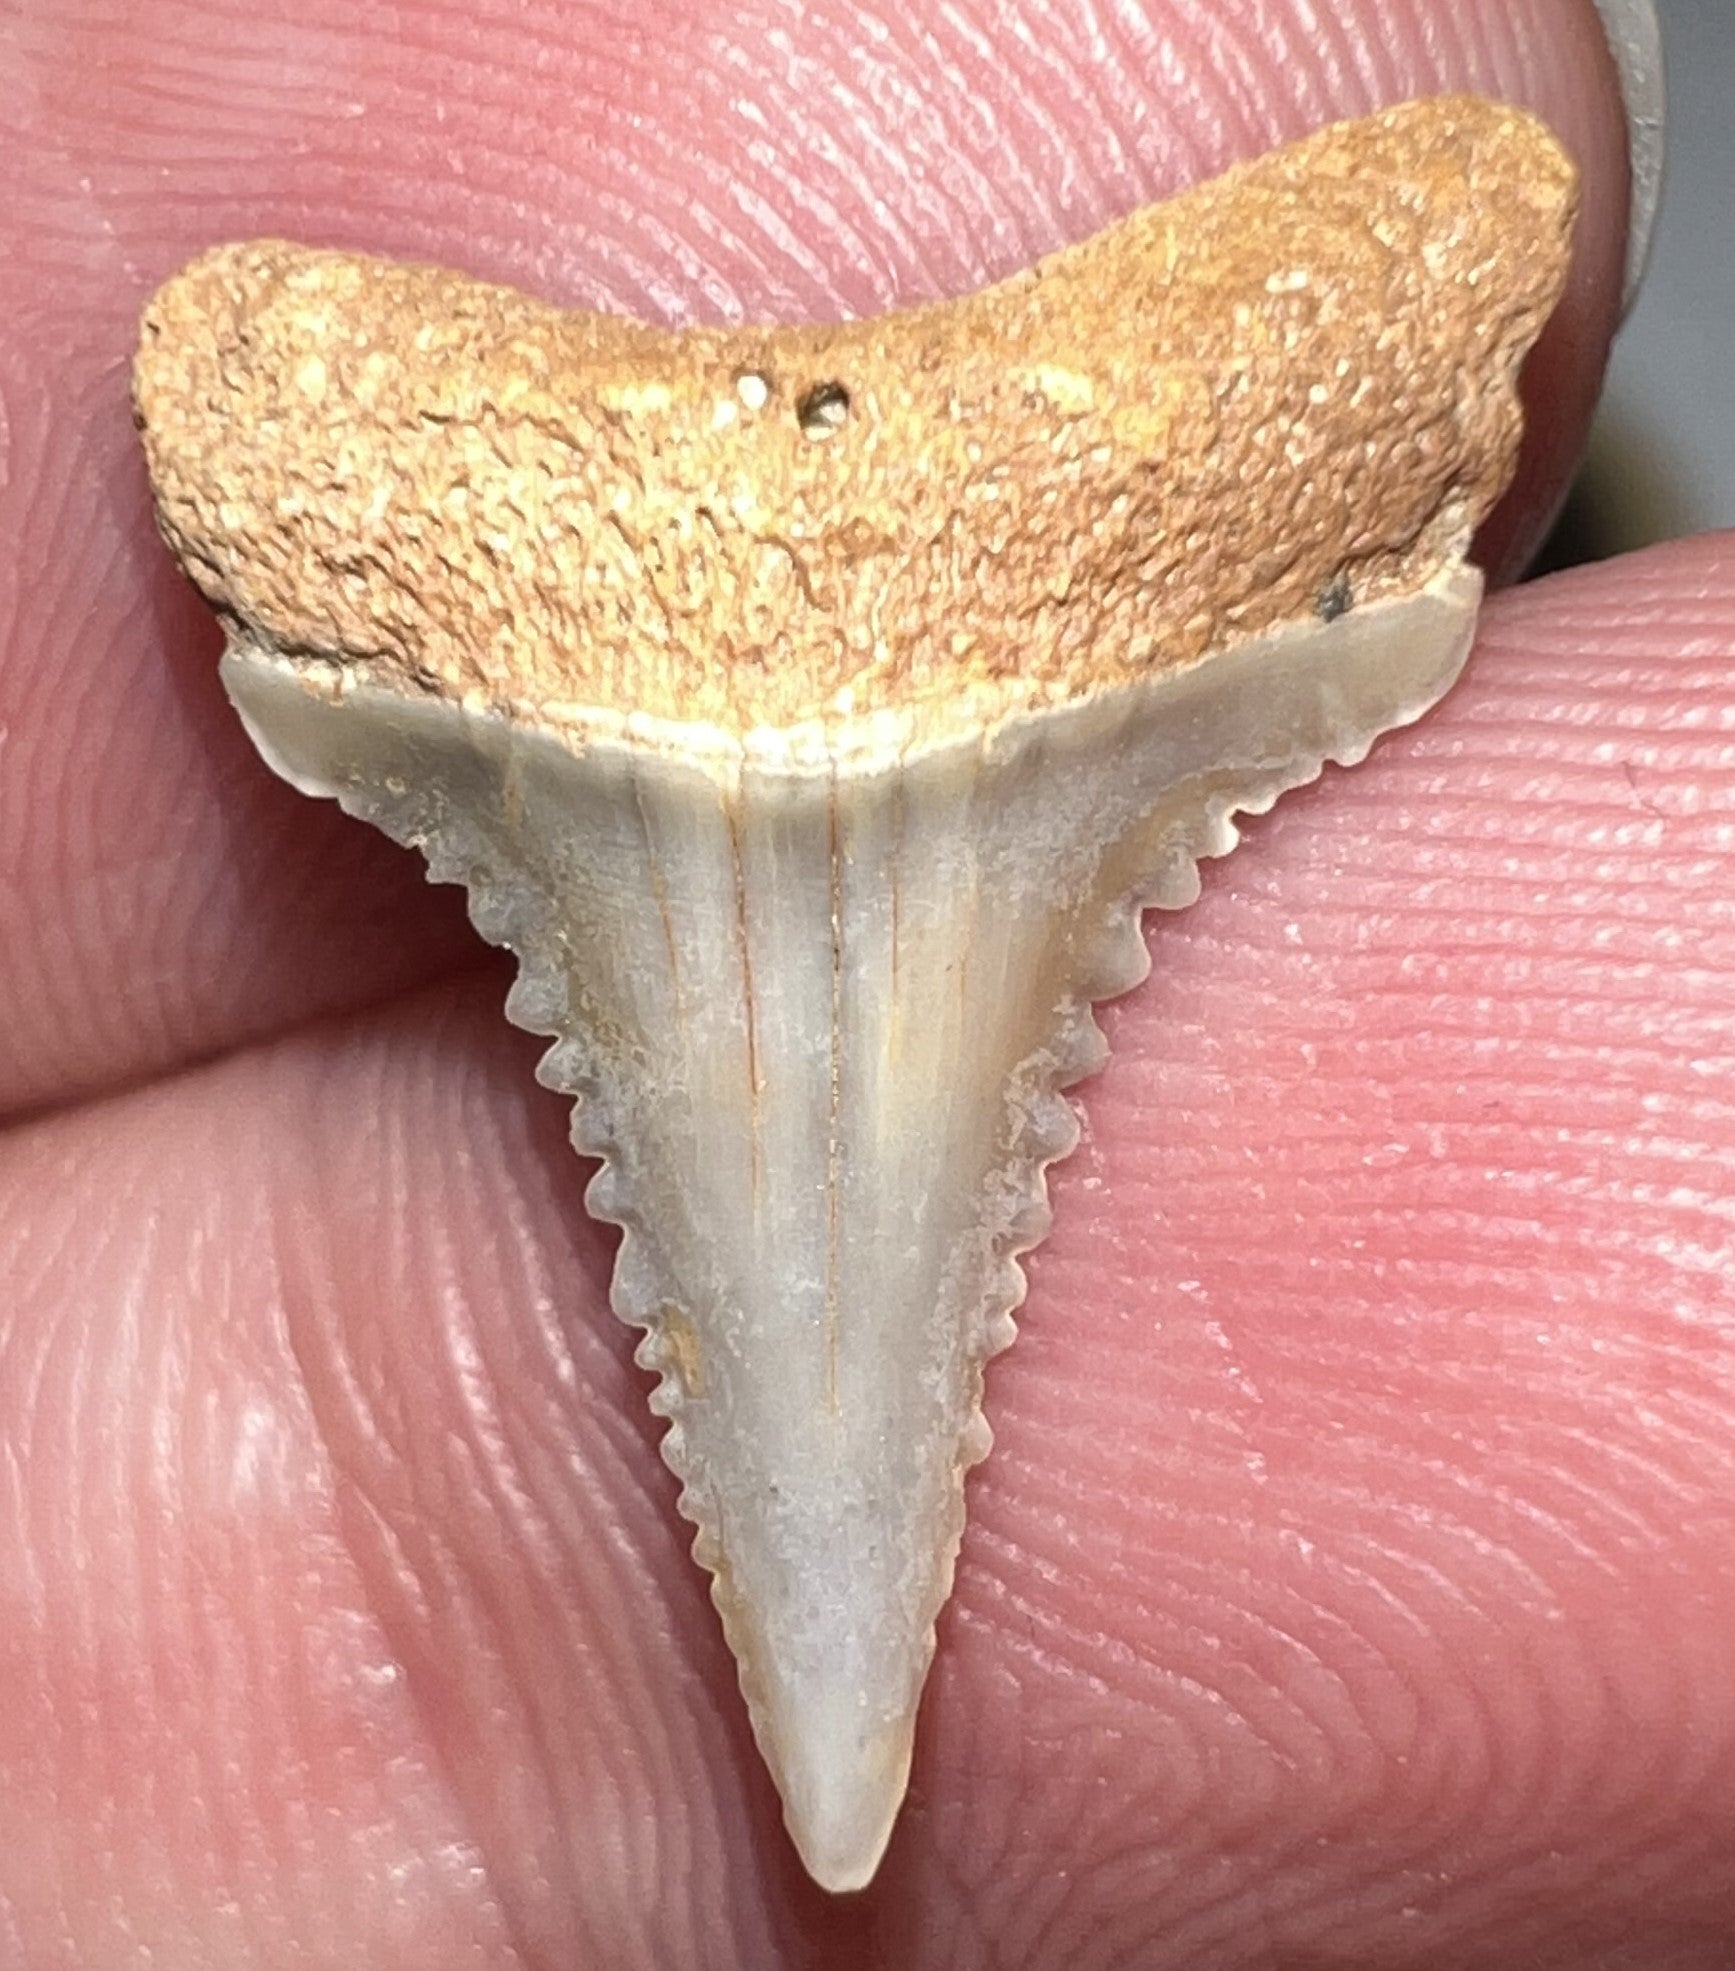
(842, 1780)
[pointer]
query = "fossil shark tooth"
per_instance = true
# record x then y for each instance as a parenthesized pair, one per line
(812, 710)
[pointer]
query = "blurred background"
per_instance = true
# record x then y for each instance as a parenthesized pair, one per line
(1662, 450)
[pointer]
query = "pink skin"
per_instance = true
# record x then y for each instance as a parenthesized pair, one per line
(1354, 1579)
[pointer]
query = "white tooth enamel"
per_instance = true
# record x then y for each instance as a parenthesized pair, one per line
(816, 1010)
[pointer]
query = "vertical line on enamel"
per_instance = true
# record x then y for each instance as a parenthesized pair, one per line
(755, 1083)
(660, 890)
(832, 1134)
(899, 799)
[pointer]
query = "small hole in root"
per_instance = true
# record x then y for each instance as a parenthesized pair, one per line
(823, 409)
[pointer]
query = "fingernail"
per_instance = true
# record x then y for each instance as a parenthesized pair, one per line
(1636, 41)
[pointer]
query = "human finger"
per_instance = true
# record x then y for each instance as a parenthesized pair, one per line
(164, 900)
